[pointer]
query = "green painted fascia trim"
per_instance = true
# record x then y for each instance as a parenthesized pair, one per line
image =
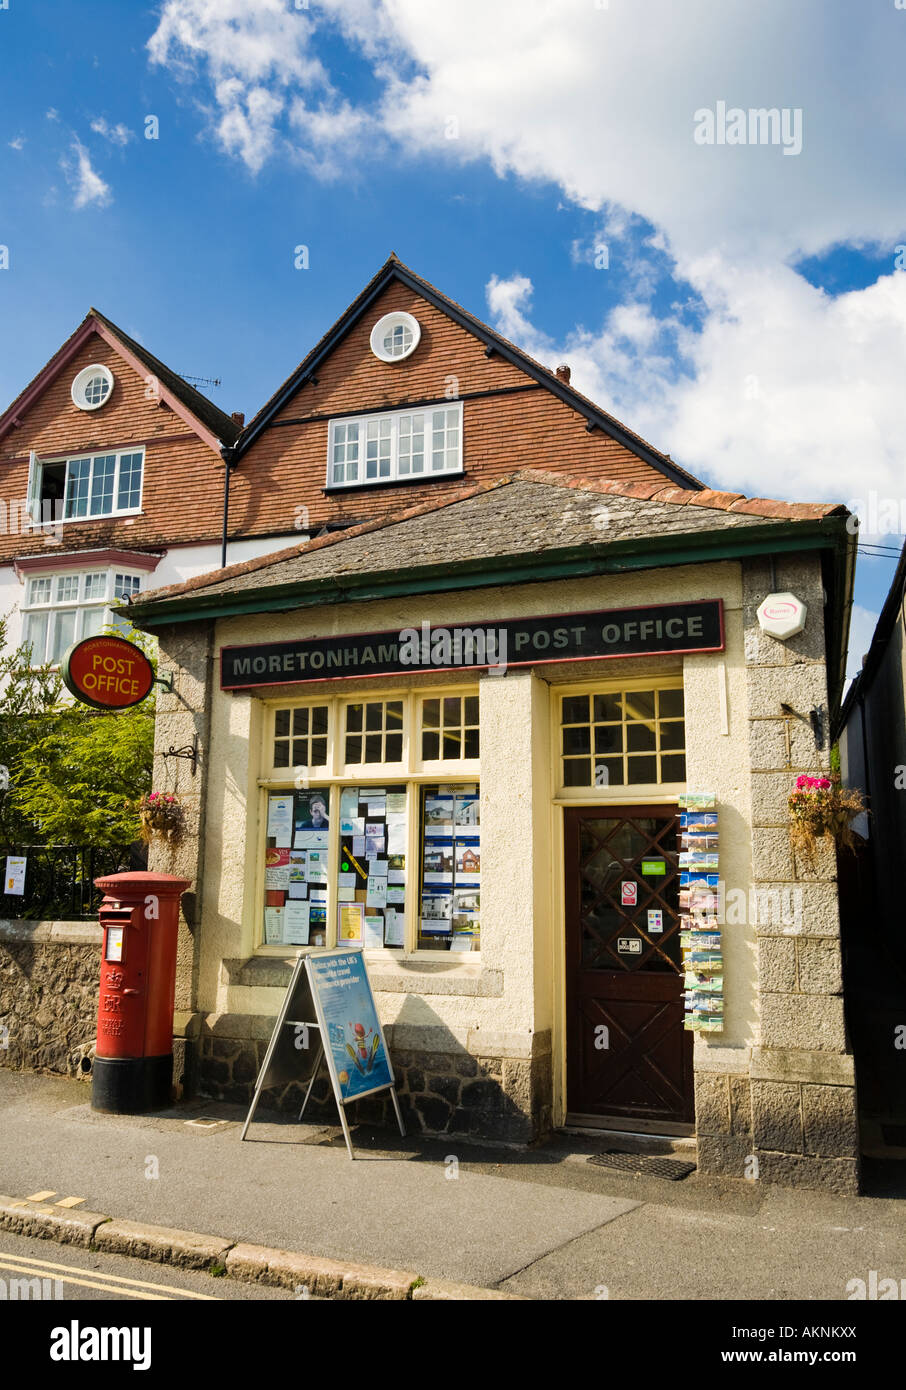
(572, 563)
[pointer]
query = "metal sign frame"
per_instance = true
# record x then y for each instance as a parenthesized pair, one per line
(323, 1053)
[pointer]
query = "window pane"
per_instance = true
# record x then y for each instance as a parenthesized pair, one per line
(63, 633)
(471, 709)
(430, 747)
(373, 748)
(300, 721)
(39, 590)
(639, 704)
(471, 744)
(281, 723)
(102, 485)
(354, 748)
(93, 620)
(95, 585)
(374, 716)
(452, 710)
(673, 768)
(130, 481)
(452, 745)
(394, 751)
(639, 737)
(670, 703)
(673, 735)
(608, 707)
(575, 709)
(319, 719)
(577, 772)
(609, 738)
(76, 503)
(318, 752)
(431, 714)
(281, 752)
(609, 772)
(641, 770)
(36, 636)
(576, 740)
(354, 718)
(395, 714)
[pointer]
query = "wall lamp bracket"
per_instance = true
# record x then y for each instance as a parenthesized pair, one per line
(190, 751)
(815, 718)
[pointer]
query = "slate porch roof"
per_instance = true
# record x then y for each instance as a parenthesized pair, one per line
(526, 513)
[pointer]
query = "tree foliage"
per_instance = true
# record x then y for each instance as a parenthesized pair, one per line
(74, 774)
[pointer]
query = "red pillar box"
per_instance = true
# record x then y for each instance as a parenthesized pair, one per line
(133, 1068)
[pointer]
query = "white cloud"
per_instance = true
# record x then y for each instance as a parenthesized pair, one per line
(18, 143)
(90, 188)
(256, 56)
(116, 134)
(776, 388)
(52, 114)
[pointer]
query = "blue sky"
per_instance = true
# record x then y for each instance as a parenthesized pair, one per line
(751, 316)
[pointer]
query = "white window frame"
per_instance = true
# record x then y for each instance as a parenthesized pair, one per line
(386, 325)
(36, 478)
(361, 423)
(80, 605)
(80, 384)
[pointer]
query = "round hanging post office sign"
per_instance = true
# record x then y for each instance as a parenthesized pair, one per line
(107, 673)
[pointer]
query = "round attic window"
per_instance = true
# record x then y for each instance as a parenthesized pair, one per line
(92, 387)
(394, 337)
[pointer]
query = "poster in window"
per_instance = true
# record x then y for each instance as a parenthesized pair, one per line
(296, 923)
(439, 816)
(438, 862)
(280, 820)
(374, 931)
(350, 923)
(466, 809)
(468, 858)
(277, 869)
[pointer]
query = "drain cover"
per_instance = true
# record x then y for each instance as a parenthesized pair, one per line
(672, 1168)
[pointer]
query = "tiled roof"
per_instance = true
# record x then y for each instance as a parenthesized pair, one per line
(527, 512)
(392, 268)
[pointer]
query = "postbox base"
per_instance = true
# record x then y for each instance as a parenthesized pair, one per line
(131, 1085)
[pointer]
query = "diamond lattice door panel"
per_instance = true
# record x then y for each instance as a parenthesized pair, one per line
(628, 1055)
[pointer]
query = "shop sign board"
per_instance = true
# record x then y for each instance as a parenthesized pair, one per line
(329, 1013)
(107, 673)
(589, 636)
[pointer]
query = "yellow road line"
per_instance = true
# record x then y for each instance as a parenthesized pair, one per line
(41, 1196)
(70, 1202)
(90, 1284)
(117, 1279)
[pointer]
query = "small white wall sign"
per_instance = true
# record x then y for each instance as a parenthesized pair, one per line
(782, 615)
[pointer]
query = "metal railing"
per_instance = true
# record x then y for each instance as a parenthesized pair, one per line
(59, 879)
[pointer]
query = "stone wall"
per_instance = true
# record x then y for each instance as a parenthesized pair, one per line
(785, 1111)
(49, 973)
(453, 1093)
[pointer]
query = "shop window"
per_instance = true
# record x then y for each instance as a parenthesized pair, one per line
(449, 728)
(300, 736)
(450, 869)
(623, 738)
(295, 875)
(371, 878)
(374, 732)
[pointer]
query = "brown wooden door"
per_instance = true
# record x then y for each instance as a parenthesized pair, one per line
(628, 1055)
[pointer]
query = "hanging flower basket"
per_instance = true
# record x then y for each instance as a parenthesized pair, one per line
(162, 818)
(820, 806)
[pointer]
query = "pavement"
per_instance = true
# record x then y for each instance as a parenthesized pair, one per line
(539, 1224)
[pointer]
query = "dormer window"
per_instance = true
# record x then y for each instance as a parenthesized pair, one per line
(405, 446)
(394, 337)
(92, 387)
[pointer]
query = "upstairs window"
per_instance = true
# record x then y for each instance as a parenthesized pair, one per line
(61, 609)
(404, 445)
(94, 485)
